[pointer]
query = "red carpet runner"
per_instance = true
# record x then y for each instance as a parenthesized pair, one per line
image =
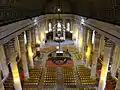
(50, 63)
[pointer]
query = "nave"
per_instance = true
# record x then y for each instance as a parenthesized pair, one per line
(62, 77)
(67, 56)
(51, 76)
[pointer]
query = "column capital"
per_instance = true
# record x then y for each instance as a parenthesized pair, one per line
(97, 35)
(118, 70)
(28, 34)
(11, 43)
(90, 30)
(21, 37)
(21, 42)
(116, 44)
(22, 34)
(108, 42)
(11, 46)
(23, 56)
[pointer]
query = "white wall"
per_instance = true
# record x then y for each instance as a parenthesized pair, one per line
(108, 30)
(9, 31)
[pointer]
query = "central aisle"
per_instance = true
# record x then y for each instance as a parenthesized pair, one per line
(60, 79)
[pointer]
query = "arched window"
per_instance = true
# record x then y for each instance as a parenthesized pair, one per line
(50, 27)
(93, 37)
(68, 26)
(58, 26)
(25, 38)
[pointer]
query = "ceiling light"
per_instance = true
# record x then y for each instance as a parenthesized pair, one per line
(59, 9)
(46, 31)
(35, 21)
(82, 21)
(71, 31)
(93, 37)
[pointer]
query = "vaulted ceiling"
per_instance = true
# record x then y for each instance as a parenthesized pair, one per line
(104, 10)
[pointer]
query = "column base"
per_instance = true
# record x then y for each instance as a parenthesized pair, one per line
(17, 87)
(1, 87)
(26, 78)
(93, 77)
(101, 87)
(31, 67)
(117, 88)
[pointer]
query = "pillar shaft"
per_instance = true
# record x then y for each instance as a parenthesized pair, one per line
(106, 59)
(33, 38)
(3, 62)
(64, 21)
(37, 34)
(77, 37)
(47, 24)
(3, 67)
(115, 62)
(89, 48)
(1, 84)
(54, 31)
(84, 41)
(17, 47)
(40, 33)
(14, 68)
(29, 48)
(95, 56)
(81, 39)
(23, 56)
(118, 82)
(102, 46)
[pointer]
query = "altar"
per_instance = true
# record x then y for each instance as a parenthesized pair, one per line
(59, 53)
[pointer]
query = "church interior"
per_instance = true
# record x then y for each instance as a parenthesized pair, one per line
(58, 47)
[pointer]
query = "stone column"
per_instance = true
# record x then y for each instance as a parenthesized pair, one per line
(47, 25)
(70, 20)
(17, 47)
(72, 28)
(118, 82)
(115, 62)
(54, 29)
(84, 41)
(3, 67)
(39, 34)
(77, 37)
(3, 62)
(23, 56)
(14, 68)
(64, 23)
(81, 47)
(78, 41)
(37, 37)
(29, 49)
(33, 39)
(89, 49)
(106, 59)
(95, 55)
(39, 31)
(102, 45)
(1, 83)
